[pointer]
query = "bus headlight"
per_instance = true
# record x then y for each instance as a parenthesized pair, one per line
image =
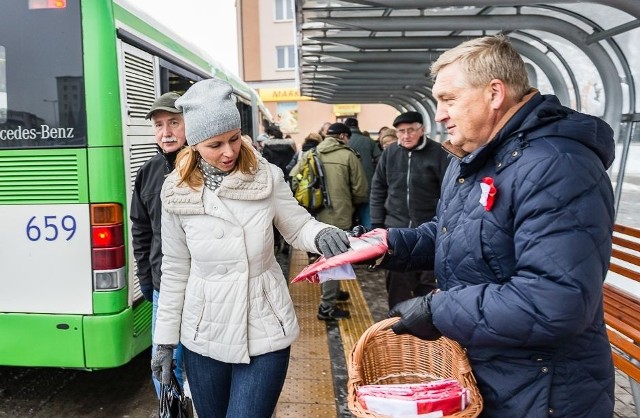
(108, 279)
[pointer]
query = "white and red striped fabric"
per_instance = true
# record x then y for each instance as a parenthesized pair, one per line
(425, 400)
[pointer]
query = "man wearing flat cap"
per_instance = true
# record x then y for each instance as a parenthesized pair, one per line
(146, 208)
(404, 193)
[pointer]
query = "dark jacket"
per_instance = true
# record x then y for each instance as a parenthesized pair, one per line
(406, 185)
(145, 213)
(279, 152)
(368, 151)
(523, 281)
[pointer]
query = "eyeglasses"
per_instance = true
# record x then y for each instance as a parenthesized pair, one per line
(408, 131)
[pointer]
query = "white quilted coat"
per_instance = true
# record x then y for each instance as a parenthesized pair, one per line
(223, 295)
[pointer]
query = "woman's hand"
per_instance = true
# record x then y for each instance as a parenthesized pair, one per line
(332, 241)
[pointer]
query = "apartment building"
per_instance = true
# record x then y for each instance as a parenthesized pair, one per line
(267, 54)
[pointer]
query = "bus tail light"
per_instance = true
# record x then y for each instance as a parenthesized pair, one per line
(107, 247)
(108, 258)
(108, 279)
(107, 235)
(47, 4)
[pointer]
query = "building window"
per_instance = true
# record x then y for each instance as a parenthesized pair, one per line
(286, 57)
(284, 9)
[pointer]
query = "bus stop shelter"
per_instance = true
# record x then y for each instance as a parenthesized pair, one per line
(379, 51)
(584, 52)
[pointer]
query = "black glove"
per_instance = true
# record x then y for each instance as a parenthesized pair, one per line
(162, 363)
(416, 318)
(332, 241)
(357, 231)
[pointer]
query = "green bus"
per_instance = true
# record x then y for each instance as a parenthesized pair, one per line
(76, 80)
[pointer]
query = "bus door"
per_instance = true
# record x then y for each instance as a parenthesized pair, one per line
(139, 87)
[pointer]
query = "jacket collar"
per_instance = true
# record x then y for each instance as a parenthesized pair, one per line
(423, 143)
(169, 158)
(182, 199)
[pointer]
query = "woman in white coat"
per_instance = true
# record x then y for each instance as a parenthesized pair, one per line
(223, 295)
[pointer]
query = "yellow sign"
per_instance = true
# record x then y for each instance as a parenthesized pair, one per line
(281, 95)
(346, 109)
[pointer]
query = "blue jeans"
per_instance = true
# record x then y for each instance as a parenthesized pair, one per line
(236, 390)
(177, 353)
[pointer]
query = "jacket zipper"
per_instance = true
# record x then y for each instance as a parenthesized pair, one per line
(199, 322)
(264, 292)
(409, 189)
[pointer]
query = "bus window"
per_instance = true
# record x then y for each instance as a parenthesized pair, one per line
(42, 101)
(3, 87)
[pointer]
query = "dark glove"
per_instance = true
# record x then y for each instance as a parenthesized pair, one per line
(332, 241)
(162, 363)
(147, 291)
(416, 318)
(357, 231)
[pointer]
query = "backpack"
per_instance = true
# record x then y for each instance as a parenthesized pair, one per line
(311, 190)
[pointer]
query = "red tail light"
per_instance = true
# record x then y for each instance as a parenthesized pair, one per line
(107, 236)
(108, 258)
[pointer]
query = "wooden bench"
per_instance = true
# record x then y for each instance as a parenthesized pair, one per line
(622, 308)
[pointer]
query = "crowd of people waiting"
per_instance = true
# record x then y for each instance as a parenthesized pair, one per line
(401, 187)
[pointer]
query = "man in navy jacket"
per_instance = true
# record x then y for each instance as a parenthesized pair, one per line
(521, 240)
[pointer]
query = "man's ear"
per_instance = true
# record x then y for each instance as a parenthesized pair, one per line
(498, 90)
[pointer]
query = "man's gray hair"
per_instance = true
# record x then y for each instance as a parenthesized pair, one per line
(487, 58)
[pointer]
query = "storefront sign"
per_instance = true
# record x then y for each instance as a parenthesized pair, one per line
(281, 95)
(346, 109)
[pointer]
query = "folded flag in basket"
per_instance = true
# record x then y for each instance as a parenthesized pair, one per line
(427, 400)
(366, 247)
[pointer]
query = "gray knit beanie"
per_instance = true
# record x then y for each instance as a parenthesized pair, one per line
(208, 110)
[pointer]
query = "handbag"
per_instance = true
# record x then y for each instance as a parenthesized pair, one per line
(173, 403)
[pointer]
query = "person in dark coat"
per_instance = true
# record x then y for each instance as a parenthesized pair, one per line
(146, 208)
(278, 150)
(369, 152)
(522, 239)
(404, 193)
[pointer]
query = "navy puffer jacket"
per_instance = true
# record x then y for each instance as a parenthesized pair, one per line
(522, 282)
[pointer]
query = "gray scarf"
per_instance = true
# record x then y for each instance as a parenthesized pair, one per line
(212, 176)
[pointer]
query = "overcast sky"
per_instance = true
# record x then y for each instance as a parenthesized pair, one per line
(210, 24)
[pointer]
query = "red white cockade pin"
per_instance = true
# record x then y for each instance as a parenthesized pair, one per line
(488, 193)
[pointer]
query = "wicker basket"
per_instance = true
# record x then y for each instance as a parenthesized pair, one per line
(382, 357)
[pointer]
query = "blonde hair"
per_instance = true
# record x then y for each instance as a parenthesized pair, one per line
(190, 174)
(485, 59)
